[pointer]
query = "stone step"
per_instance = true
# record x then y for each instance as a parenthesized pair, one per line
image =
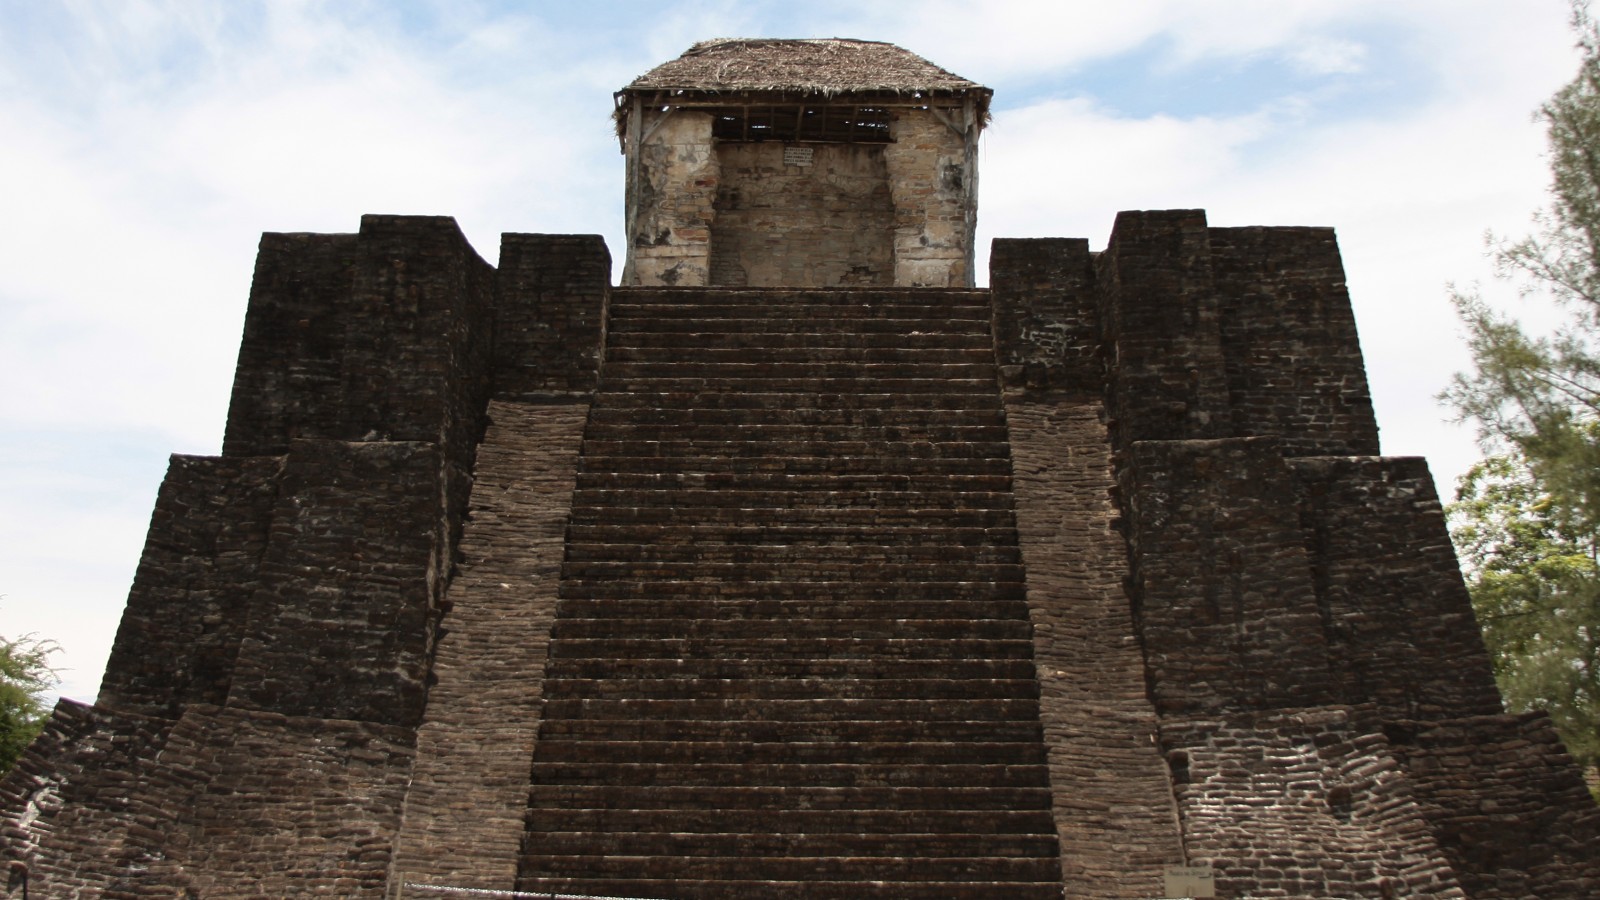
(813, 308)
(967, 338)
(796, 518)
(1018, 753)
(670, 842)
(826, 385)
(931, 484)
(803, 434)
(853, 822)
(797, 629)
(670, 294)
(815, 498)
(750, 530)
(650, 774)
(767, 397)
(856, 670)
(763, 372)
(775, 889)
(909, 324)
(791, 554)
(770, 296)
(827, 710)
(878, 466)
(791, 648)
(843, 607)
(868, 587)
(745, 572)
(786, 797)
(813, 525)
(756, 448)
(791, 499)
(619, 688)
(708, 350)
(798, 868)
(759, 731)
(886, 418)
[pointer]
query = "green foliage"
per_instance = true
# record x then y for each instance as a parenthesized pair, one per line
(1535, 579)
(25, 679)
(1527, 519)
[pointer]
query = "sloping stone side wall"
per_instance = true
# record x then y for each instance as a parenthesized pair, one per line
(85, 808)
(1298, 803)
(256, 728)
(1113, 803)
(191, 595)
(1293, 361)
(341, 624)
(1223, 599)
(464, 813)
(1307, 641)
(291, 358)
(1508, 804)
(1399, 623)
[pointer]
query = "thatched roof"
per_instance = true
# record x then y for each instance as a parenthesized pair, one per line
(827, 67)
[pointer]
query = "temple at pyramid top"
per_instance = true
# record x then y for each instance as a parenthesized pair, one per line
(801, 163)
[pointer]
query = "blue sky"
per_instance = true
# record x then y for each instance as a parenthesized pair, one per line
(145, 145)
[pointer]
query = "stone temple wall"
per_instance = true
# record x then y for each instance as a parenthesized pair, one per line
(726, 213)
(1253, 649)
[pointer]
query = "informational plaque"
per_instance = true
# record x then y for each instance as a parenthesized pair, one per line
(797, 156)
(1190, 881)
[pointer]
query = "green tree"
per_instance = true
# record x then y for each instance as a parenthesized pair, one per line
(25, 681)
(1535, 580)
(1526, 519)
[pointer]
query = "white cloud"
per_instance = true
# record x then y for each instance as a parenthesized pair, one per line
(148, 143)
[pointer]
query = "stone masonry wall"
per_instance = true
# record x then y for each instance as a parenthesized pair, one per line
(1507, 804)
(464, 812)
(395, 321)
(829, 223)
(1113, 803)
(1400, 628)
(900, 213)
(256, 727)
(1223, 596)
(341, 626)
(932, 174)
(1046, 317)
(88, 789)
(1298, 803)
(186, 612)
(672, 189)
(1161, 325)
(551, 292)
(291, 355)
(1293, 362)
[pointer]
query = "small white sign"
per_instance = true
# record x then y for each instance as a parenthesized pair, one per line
(797, 156)
(1190, 881)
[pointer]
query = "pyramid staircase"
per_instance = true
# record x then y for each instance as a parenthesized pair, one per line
(792, 656)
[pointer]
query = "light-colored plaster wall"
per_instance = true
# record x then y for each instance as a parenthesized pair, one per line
(672, 185)
(828, 223)
(901, 213)
(932, 173)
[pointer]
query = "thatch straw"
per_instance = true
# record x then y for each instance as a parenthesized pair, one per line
(822, 66)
